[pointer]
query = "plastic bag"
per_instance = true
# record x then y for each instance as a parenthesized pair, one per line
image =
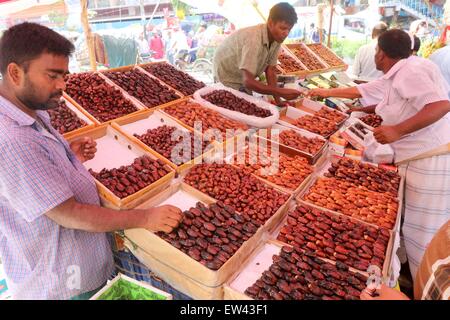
(376, 152)
(239, 116)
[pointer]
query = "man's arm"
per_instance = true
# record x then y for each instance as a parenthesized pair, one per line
(428, 115)
(349, 93)
(369, 109)
(74, 215)
(254, 85)
(271, 76)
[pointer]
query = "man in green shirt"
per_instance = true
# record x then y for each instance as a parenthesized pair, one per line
(249, 52)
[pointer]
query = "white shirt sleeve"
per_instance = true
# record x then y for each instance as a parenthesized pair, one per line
(372, 92)
(422, 88)
(357, 64)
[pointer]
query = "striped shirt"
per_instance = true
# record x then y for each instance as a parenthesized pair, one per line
(38, 172)
(433, 277)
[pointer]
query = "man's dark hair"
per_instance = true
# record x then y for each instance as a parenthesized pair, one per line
(395, 43)
(416, 44)
(27, 41)
(283, 11)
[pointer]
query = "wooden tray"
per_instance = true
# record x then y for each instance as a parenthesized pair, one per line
(315, 71)
(252, 268)
(275, 218)
(224, 143)
(124, 152)
(312, 158)
(282, 150)
(176, 267)
(149, 119)
(312, 107)
(388, 254)
(136, 100)
(299, 73)
(342, 67)
(140, 67)
(125, 95)
(319, 174)
(290, 114)
(81, 115)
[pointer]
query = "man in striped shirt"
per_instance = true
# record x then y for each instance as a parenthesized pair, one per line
(52, 229)
(433, 276)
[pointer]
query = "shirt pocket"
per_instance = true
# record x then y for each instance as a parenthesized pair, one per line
(392, 107)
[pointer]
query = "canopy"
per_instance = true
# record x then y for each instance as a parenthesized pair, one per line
(242, 13)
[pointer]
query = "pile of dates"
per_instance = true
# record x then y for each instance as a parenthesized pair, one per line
(244, 192)
(309, 60)
(175, 78)
(369, 176)
(378, 208)
(102, 101)
(65, 120)
(127, 180)
(189, 112)
(211, 235)
(288, 64)
(335, 237)
(298, 275)
(288, 171)
(160, 140)
(147, 90)
(315, 124)
(294, 140)
(330, 58)
(331, 115)
(227, 100)
(372, 120)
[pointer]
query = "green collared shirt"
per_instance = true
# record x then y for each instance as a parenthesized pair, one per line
(246, 49)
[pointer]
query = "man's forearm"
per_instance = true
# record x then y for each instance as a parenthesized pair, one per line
(348, 93)
(272, 78)
(428, 115)
(259, 87)
(74, 215)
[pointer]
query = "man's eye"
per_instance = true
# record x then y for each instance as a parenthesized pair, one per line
(53, 76)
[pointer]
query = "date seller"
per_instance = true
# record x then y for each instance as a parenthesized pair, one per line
(249, 52)
(416, 123)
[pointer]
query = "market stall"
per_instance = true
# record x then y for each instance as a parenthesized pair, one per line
(246, 233)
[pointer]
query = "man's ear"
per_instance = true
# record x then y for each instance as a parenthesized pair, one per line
(15, 73)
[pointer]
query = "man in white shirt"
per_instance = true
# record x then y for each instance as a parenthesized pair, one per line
(442, 59)
(416, 123)
(364, 65)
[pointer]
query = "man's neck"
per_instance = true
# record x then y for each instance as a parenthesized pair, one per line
(5, 91)
(390, 65)
(271, 39)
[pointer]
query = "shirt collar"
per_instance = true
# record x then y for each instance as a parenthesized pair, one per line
(8, 109)
(396, 68)
(265, 34)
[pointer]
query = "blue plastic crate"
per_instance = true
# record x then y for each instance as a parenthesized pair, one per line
(129, 265)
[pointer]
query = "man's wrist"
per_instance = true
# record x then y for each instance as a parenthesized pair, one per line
(399, 128)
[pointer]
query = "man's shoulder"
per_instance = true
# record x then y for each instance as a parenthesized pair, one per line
(13, 136)
(417, 65)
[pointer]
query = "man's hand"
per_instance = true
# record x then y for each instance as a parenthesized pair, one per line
(321, 93)
(386, 134)
(84, 148)
(164, 218)
(384, 293)
(289, 94)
